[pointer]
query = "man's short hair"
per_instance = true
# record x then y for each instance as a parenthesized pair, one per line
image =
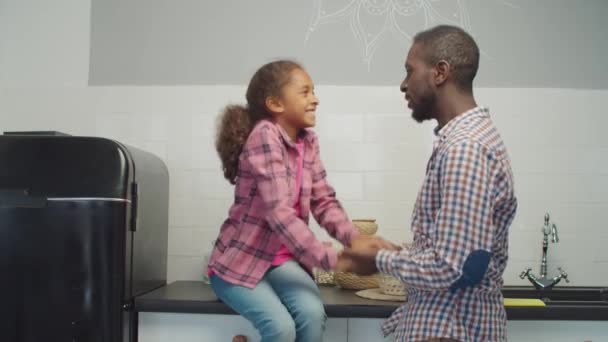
(455, 46)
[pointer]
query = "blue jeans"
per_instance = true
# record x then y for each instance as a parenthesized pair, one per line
(284, 306)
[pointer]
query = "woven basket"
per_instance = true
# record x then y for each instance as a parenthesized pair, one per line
(351, 281)
(391, 286)
(366, 226)
(323, 277)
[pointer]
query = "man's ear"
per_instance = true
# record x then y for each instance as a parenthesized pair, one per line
(274, 105)
(441, 72)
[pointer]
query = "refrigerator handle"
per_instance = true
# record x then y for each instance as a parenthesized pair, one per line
(134, 205)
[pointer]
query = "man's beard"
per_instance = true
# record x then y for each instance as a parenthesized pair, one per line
(423, 110)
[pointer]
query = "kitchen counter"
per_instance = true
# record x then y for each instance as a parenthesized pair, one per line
(581, 304)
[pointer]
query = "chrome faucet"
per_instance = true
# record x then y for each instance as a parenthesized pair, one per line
(542, 282)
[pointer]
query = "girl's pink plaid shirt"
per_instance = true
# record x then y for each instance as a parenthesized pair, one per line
(262, 216)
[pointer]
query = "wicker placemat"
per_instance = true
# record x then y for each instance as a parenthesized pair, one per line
(377, 295)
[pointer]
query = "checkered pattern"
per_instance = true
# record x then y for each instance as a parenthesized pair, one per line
(263, 217)
(464, 208)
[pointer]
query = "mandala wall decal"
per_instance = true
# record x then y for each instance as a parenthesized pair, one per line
(372, 21)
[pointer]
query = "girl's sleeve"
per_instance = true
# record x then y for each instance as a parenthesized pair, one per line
(325, 206)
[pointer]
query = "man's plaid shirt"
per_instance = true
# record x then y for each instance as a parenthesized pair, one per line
(460, 222)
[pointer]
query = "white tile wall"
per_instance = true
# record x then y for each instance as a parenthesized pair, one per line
(375, 160)
(392, 186)
(348, 185)
(351, 128)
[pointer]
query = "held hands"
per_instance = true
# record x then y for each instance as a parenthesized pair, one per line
(366, 246)
(360, 258)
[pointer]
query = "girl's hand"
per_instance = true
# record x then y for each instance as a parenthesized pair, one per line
(349, 262)
(367, 241)
(345, 263)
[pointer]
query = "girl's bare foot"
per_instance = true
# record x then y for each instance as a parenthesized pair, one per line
(239, 338)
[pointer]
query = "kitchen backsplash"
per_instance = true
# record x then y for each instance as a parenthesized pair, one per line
(375, 155)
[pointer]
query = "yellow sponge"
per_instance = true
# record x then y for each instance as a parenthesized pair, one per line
(523, 302)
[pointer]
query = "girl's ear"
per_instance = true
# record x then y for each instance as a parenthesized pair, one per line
(274, 105)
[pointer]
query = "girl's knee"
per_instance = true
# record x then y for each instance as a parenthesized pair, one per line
(278, 330)
(311, 313)
(310, 323)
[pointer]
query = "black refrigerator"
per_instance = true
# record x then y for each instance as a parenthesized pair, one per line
(83, 230)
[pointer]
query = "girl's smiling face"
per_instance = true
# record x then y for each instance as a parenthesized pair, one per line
(297, 103)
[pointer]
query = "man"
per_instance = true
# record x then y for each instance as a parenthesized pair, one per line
(453, 270)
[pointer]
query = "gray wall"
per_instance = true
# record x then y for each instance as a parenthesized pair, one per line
(542, 43)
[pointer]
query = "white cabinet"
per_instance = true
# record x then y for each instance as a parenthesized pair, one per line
(174, 327)
(177, 327)
(366, 330)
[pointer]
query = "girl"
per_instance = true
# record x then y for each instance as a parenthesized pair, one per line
(272, 157)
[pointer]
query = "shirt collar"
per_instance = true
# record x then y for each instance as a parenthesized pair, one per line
(304, 135)
(443, 132)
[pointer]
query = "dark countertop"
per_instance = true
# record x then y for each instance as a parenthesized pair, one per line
(198, 297)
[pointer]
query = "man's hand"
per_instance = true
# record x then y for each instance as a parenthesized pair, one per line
(347, 262)
(360, 258)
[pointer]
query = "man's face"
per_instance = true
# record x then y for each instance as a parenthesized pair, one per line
(417, 85)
